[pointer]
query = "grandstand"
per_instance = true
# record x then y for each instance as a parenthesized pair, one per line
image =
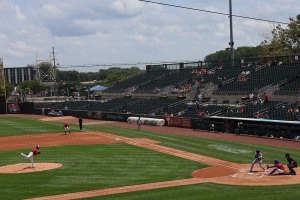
(223, 81)
(197, 91)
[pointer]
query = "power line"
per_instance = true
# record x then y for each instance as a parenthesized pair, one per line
(213, 12)
(125, 64)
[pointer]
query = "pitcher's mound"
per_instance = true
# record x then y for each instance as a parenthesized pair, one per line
(26, 168)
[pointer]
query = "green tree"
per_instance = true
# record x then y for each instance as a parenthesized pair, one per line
(240, 53)
(9, 88)
(282, 41)
(68, 75)
(33, 85)
(103, 76)
(115, 75)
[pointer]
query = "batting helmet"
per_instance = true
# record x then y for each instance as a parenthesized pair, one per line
(276, 162)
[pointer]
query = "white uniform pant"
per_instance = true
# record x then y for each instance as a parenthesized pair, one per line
(256, 161)
(30, 156)
(277, 169)
(67, 129)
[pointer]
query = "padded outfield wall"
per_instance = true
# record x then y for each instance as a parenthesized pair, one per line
(259, 127)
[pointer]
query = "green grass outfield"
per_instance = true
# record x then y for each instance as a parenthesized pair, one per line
(88, 167)
(209, 191)
(11, 125)
(230, 151)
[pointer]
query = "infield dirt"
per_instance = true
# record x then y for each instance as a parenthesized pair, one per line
(220, 171)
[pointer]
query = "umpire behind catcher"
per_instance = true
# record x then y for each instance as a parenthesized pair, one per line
(291, 164)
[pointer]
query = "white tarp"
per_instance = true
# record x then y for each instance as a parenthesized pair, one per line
(147, 121)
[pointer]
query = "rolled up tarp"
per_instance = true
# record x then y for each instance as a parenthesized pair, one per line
(147, 121)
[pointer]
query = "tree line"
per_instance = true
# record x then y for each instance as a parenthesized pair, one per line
(75, 79)
(279, 41)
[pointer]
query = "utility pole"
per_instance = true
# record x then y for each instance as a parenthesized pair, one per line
(53, 54)
(231, 43)
(54, 72)
(3, 87)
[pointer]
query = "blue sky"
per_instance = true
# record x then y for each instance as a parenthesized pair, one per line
(127, 31)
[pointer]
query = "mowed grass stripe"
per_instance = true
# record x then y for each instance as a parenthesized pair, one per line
(12, 125)
(230, 151)
(209, 191)
(89, 167)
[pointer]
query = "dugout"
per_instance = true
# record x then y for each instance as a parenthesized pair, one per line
(259, 127)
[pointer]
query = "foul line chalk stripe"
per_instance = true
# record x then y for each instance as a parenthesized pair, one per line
(168, 150)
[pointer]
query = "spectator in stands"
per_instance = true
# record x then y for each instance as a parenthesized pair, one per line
(258, 115)
(152, 113)
(168, 120)
(260, 100)
(211, 127)
(200, 113)
(251, 96)
(266, 97)
(190, 108)
(60, 113)
(200, 97)
(240, 127)
(241, 110)
(211, 72)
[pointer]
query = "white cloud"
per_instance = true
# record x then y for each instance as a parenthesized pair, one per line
(52, 11)
(2, 37)
(19, 14)
(129, 7)
(20, 49)
(115, 31)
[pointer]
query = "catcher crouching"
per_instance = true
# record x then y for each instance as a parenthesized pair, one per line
(278, 167)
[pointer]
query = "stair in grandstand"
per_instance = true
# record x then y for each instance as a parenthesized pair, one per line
(174, 107)
(260, 67)
(165, 90)
(208, 89)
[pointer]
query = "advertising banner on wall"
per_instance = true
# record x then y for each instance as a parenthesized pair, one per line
(94, 115)
(13, 108)
(180, 122)
(115, 117)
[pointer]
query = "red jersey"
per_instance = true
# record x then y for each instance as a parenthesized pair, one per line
(279, 166)
(35, 151)
(66, 125)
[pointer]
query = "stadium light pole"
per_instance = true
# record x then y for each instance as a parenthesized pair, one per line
(231, 43)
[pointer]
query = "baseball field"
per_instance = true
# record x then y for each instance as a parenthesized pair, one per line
(114, 160)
